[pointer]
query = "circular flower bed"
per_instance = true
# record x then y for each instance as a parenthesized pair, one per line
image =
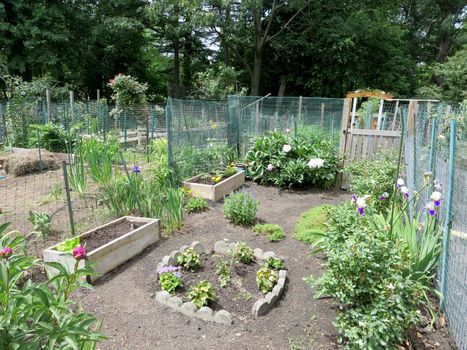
(233, 279)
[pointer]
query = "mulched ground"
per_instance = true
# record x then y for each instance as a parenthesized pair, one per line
(133, 319)
(107, 234)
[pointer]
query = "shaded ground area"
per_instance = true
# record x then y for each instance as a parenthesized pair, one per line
(133, 319)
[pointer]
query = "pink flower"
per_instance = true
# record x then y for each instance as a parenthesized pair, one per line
(79, 252)
(270, 167)
(5, 253)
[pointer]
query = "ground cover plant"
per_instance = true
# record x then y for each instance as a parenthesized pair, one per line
(285, 161)
(311, 224)
(273, 232)
(266, 278)
(240, 208)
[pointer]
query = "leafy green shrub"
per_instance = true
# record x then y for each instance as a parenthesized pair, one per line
(240, 208)
(202, 294)
(266, 279)
(41, 222)
(287, 161)
(196, 204)
(372, 177)
(243, 253)
(273, 232)
(223, 271)
(170, 278)
(189, 259)
(41, 315)
(275, 263)
(311, 224)
(52, 137)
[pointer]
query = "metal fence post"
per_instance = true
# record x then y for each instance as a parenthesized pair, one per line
(447, 222)
(432, 146)
(68, 198)
(168, 116)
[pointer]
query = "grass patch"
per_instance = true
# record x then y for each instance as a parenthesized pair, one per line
(310, 225)
(273, 232)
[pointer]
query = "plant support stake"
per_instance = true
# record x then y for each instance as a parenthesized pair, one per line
(68, 198)
(447, 222)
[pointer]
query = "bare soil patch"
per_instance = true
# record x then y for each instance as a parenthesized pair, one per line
(107, 234)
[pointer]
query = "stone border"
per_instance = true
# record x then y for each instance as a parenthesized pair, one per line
(189, 309)
(261, 306)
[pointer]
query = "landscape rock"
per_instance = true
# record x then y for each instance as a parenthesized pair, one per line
(204, 313)
(174, 302)
(271, 298)
(261, 307)
(268, 255)
(188, 309)
(183, 248)
(175, 254)
(282, 274)
(198, 247)
(258, 253)
(162, 296)
(223, 317)
(221, 247)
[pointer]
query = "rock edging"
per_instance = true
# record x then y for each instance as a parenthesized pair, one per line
(263, 305)
(189, 309)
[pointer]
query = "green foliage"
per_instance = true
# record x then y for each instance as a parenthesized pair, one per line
(100, 155)
(275, 263)
(266, 279)
(52, 137)
(41, 222)
(240, 208)
(311, 160)
(372, 176)
(311, 224)
(273, 232)
(196, 204)
(41, 315)
(243, 253)
(223, 271)
(68, 245)
(202, 294)
(189, 259)
(170, 282)
(55, 194)
(127, 91)
(77, 176)
(230, 170)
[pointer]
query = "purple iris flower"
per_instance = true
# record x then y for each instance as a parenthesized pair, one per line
(361, 210)
(354, 198)
(437, 203)
(432, 212)
(136, 169)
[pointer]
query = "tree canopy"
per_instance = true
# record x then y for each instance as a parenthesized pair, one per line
(211, 48)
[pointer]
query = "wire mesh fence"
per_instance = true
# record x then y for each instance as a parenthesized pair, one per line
(200, 130)
(432, 148)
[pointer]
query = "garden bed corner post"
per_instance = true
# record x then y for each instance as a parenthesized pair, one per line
(68, 198)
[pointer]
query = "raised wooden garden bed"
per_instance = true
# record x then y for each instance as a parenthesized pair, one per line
(109, 245)
(217, 191)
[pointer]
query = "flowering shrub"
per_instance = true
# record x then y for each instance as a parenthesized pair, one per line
(266, 278)
(127, 91)
(380, 264)
(202, 294)
(189, 259)
(41, 315)
(170, 278)
(286, 161)
(240, 208)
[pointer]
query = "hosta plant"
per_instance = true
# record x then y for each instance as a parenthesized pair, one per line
(189, 259)
(266, 278)
(202, 293)
(243, 253)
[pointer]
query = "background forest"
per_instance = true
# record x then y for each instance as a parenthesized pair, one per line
(211, 48)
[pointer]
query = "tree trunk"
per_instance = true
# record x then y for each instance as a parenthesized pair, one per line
(176, 71)
(187, 51)
(281, 91)
(255, 79)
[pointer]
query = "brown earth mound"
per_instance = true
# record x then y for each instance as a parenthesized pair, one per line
(30, 162)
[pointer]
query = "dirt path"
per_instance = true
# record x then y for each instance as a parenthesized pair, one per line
(133, 319)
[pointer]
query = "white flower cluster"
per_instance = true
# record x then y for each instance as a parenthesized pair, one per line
(315, 163)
